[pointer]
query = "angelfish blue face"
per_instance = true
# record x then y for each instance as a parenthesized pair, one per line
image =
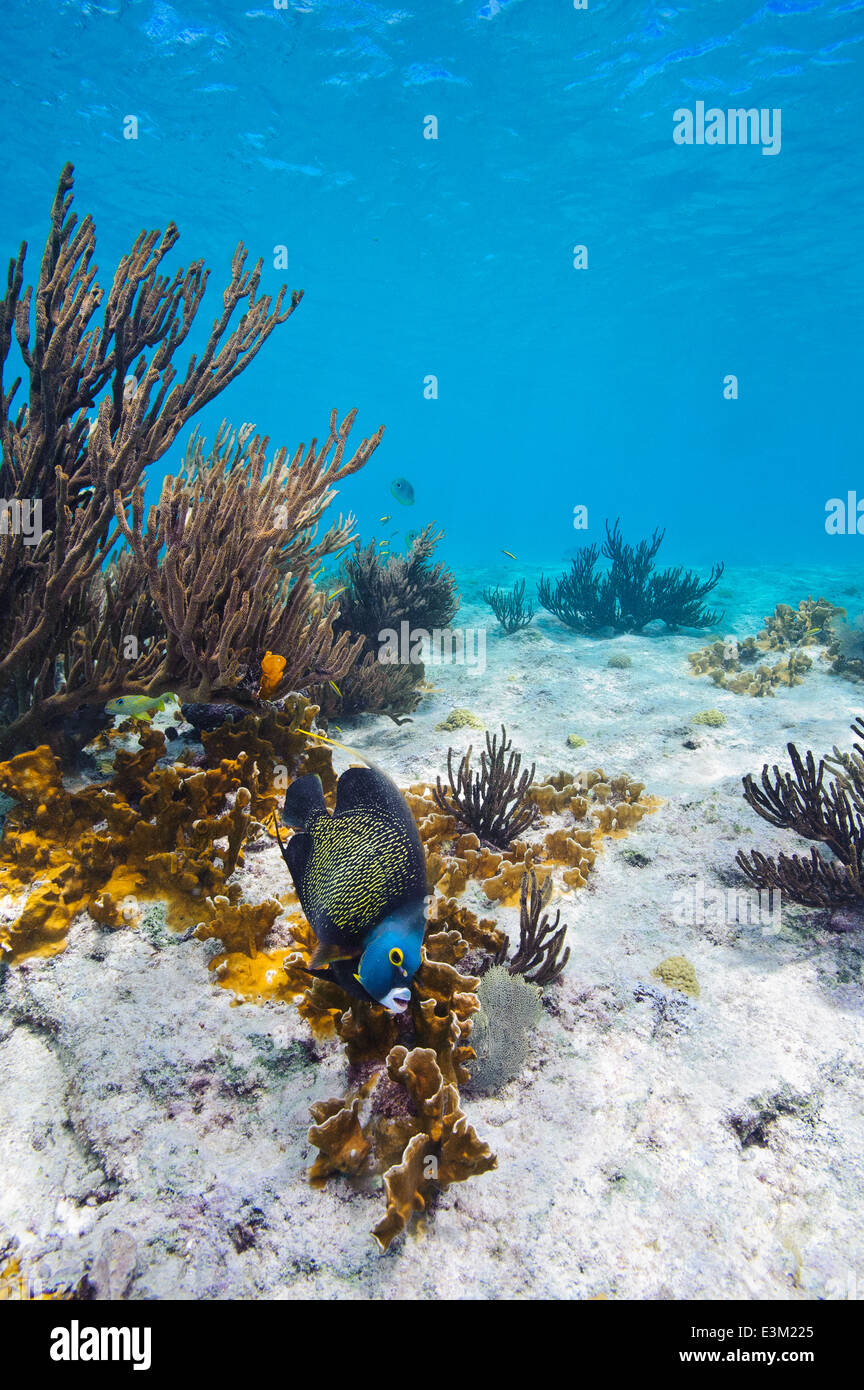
(392, 958)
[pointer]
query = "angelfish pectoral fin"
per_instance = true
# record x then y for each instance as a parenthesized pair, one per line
(326, 955)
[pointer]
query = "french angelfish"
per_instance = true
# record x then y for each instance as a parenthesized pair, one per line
(360, 875)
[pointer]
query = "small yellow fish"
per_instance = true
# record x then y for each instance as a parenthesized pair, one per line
(382, 519)
(508, 552)
(272, 667)
(138, 706)
(336, 688)
(336, 591)
(314, 576)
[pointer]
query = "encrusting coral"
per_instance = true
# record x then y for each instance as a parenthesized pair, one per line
(631, 593)
(150, 831)
(827, 810)
(732, 664)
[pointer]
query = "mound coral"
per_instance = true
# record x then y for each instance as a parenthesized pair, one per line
(712, 718)
(631, 593)
(676, 972)
(460, 718)
(829, 810)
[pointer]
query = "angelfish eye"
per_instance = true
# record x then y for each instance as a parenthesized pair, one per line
(396, 956)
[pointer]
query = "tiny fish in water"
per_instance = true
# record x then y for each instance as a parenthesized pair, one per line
(508, 552)
(272, 668)
(402, 491)
(360, 875)
(382, 519)
(336, 688)
(138, 706)
(336, 591)
(314, 576)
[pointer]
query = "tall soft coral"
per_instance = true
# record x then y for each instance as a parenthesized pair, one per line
(60, 615)
(227, 553)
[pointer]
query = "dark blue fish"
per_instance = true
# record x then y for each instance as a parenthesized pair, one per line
(360, 875)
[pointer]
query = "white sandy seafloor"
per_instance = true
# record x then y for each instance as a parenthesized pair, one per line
(153, 1133)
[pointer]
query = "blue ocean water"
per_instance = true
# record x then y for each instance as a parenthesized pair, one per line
(303, 124)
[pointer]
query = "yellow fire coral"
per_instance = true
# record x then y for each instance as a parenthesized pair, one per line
(150, 831)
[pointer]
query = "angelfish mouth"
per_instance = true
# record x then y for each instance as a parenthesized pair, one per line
(397, 1000)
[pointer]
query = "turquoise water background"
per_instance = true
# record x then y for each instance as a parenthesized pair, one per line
(304, 127)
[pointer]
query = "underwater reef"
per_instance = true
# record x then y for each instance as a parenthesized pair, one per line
(631, 593)
(217, 575)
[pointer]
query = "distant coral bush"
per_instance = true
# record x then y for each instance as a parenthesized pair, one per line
(631, 594)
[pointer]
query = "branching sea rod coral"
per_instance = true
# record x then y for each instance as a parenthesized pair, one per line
(509, 606)
(492, 802)
(54, 653)
(541, 956)
(631, 593)
(828, 811)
